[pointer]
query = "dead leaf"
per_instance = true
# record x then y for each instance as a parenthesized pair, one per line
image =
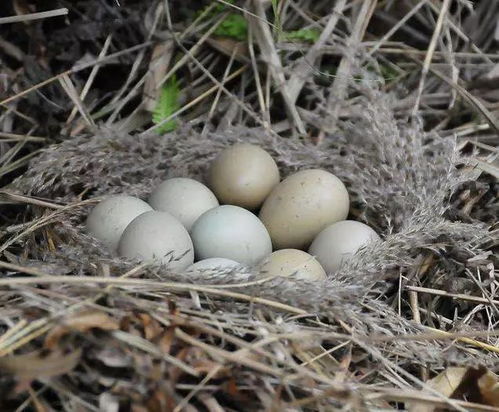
(151, 326)
(470, 384)
(160, 60)
(488, 385)
(230, 46)
(448, 381)
(445, 383)
(80, 322)
(37, 365)
(166, 341)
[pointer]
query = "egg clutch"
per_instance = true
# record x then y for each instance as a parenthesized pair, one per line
(243, 213)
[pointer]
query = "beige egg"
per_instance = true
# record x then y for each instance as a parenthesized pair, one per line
(287, 262)
(339, 242)
(302, 205)
(243, 175)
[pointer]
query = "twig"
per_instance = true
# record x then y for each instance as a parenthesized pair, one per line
(429, 54)
(338, 89)
(29, 200)
(460, 296)
(264, 39)
(306, 63)
(34, 16)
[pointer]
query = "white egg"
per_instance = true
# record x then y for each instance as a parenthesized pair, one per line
(233, 233)
(339, 242)
(186, 199)
(213, 264)
(109, 218)
(157, 236)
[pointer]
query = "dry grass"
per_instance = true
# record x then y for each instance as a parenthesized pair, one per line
(397, 99)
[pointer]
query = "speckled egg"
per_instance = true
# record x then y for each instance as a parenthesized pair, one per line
(110, 217)
(287, 262)
(339, 242)
(186, 199)
(302, 205)
(243, 175)
(231, 232)
(157, 237)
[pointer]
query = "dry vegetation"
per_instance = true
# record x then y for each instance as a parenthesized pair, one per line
(398, 98)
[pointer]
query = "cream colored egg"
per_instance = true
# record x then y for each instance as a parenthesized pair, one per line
(287, 262)
(109, 218)
(302, 205)
(231, 232)
(339, 242)
(186, 199)
(243, 175)
(157, 237)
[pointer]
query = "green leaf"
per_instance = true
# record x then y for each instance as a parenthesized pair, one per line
(307, 35)
(166, 106)
(234, 26)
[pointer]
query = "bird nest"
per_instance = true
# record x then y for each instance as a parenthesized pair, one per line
(88, 329)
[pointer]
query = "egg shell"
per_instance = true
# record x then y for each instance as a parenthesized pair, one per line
(231, 232)
(159, 237)
(213, 264)
(339, 242)
(186, 199)
(287, 262)
(302, 205)
(243, 175)
(110, 217)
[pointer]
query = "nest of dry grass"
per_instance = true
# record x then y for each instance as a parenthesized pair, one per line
(83, 329)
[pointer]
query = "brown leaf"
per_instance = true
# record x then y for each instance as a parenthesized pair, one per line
(37, 365)
(230, 46)
(80, 322)
(446, 383)
(166, 341)
(151, 326)
(160, 60)
(470, 384)
(488, 385)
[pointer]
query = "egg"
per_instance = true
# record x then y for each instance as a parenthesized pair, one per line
(157, 237)
(243, 175)
(213, 264)
(302, 205)
(287, 262)
(186, 199)
(110, 217)
(231, 232)
(339, 242)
